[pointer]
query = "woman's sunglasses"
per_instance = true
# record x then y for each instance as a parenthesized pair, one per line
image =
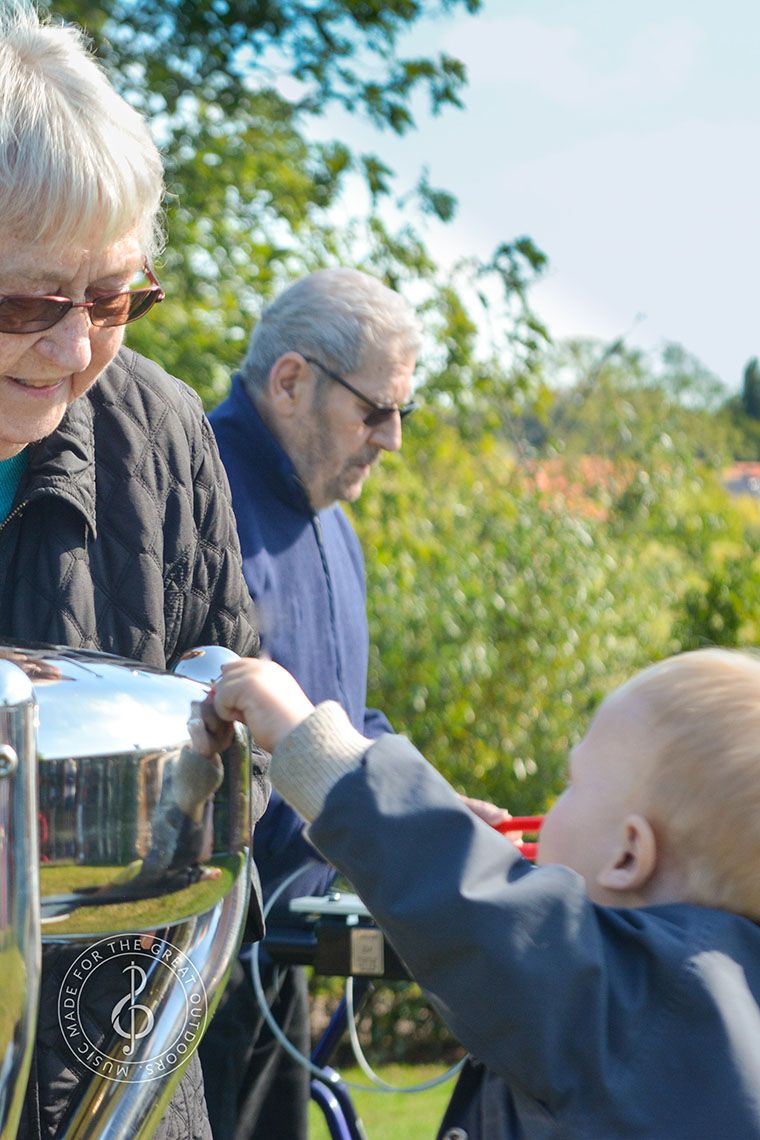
(20, 315)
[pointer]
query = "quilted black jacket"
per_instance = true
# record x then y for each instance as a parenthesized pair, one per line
(122, 539)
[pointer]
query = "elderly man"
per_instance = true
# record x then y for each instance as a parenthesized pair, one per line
(321, 394)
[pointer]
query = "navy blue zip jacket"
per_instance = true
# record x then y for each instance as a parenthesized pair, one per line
(305, 572)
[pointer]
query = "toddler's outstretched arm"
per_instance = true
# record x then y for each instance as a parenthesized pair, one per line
(267, 699)
(274, 707)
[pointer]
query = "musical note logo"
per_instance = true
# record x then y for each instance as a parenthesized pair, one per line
(133, 1006)
(151, 1036)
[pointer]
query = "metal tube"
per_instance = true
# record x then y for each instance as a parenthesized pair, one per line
(19, 892)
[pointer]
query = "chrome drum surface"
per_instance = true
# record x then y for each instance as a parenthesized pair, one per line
(19, 900)
(144, 847)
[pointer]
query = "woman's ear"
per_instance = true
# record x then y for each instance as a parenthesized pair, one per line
(290, 381)
(635, 860)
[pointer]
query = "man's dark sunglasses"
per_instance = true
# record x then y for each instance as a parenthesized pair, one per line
(380, 413)
(36, 314)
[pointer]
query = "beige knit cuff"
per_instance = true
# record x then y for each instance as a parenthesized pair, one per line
(314, 756)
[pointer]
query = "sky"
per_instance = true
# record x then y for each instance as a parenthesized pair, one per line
(624, 139)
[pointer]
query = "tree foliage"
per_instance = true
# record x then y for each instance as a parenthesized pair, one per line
(750, 395)
(622, 402)
(505, 605)
(338, 50)
(229, 89)
(743, 411)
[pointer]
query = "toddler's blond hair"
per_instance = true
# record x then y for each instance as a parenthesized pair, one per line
(704, 775)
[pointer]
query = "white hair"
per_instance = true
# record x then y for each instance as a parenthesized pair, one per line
(75, 159)
(335, 315)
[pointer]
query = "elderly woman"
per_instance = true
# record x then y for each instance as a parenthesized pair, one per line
(116, 531)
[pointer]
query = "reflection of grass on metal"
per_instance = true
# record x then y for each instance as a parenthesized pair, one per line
(60, 878)
(13, 974)
(135, 914)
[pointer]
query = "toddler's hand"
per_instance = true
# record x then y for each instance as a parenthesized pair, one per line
(264, 696)
(491, 814)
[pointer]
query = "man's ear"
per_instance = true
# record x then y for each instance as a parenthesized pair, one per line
(290, 382)
(635, 860)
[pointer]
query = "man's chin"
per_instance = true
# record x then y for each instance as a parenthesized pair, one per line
(348, 485)
(349, 492)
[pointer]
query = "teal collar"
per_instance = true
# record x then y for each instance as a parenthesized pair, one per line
(11, 473)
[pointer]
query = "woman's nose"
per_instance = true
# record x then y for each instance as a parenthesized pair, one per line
(68, 343)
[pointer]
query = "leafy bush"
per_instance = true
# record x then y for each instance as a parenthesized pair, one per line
(498, 619)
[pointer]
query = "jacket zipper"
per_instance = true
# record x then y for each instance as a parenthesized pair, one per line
(317, 525)
(16, 511)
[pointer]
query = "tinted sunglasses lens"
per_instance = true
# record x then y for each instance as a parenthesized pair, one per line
(121, 308)
(142, 301)
(382, 415)
(378, 416)
(30, 314)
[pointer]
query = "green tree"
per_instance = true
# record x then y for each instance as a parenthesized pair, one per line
(743, 411)
(750, 395)
(623, 403)
(501, 614)
(498, 618)
(229, 88)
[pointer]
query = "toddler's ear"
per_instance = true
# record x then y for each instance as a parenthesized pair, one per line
(635, 860)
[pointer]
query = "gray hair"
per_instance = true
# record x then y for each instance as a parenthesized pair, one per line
(75, 158)
(335, 315)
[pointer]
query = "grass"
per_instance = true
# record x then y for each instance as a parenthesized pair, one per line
(393, 1116)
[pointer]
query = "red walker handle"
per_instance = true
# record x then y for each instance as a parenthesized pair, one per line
(520, 823)
(530, 823)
